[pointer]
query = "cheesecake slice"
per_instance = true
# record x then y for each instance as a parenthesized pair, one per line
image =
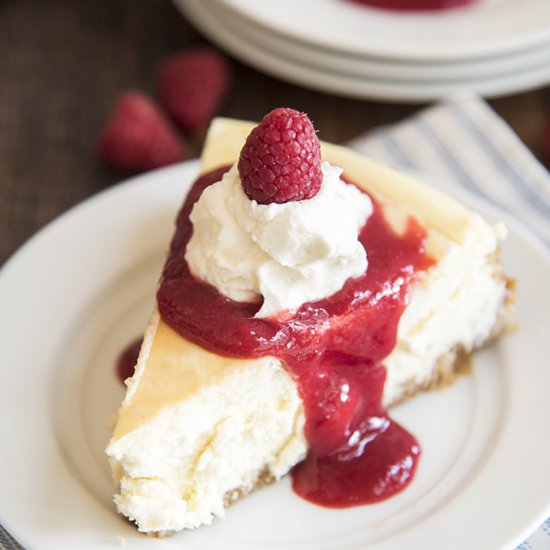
(199, 428)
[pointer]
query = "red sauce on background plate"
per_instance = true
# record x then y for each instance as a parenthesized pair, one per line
(415, 5)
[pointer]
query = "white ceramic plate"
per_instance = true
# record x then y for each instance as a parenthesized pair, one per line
(83, 287)
(220, 30)
(338, 62)
(488, 27)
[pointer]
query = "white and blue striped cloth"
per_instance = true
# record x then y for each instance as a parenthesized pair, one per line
(7, 542)
(463, 143)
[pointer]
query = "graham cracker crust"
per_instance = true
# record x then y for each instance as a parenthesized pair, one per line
(265, 478)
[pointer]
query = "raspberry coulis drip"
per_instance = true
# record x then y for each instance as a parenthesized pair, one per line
(127, 359)
(415, 5)
(333, 348)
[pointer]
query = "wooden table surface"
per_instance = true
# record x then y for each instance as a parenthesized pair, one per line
(62, 64)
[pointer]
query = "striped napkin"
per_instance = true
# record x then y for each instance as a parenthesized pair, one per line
(7, 542)
(464, 144)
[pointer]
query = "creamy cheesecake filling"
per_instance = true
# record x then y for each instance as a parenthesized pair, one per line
(174, 470)
(461, 242)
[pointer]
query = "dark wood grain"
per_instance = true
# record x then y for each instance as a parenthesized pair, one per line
(62, 64)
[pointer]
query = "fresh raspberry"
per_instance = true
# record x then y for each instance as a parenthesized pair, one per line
(138, 137)
(281, 159)
(192, 84)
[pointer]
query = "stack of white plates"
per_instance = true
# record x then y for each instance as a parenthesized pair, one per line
(493, 47)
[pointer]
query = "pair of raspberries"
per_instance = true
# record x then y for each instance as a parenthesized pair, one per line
(139, 137)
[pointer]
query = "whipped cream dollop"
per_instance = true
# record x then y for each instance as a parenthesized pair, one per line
(288, 253)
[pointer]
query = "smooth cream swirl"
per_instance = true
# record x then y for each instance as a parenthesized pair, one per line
(288, 253)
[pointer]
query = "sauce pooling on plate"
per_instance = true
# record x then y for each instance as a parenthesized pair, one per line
(127, 360)
(334, 350)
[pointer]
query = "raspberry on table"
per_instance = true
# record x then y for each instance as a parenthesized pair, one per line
(138, 137)
(281, 159)
(192, 84)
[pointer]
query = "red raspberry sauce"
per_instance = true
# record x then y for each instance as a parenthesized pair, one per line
(415, 5)
(127, 360)
(333, 348)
